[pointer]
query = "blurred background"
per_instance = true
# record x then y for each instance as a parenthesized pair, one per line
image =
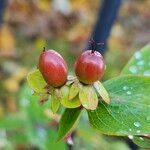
(26, 26)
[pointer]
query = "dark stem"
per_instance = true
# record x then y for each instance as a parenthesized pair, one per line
(44, 49)
(94, 45)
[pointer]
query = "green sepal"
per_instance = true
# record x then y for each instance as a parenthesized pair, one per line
(88, 97)
(74, 90)
(64, 100)
(102, 91)
(36, 81)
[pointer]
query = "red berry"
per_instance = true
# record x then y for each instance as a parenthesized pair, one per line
(53, 68)
(89, 67)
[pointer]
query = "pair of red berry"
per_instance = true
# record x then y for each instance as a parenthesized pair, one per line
(89, 67)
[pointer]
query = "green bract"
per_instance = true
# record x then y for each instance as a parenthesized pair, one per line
(72, 95)
(36, 81)
(65, 98)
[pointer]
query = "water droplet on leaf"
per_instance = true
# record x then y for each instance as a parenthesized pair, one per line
(138, 55)
(133, 69)
(147, 73)
(138, 131)
(140, 63)
(125, 88)
(130, 129)
(141, 139)
(129, 92)
(137, 124)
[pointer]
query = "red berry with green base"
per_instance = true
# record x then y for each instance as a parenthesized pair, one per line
(89, 67)
(53, 68)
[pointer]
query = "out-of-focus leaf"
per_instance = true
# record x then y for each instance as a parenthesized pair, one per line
(139, 63)
(102, 91)
(88, 97)
(67, 121)
(36, 81)
(30, 105)
(12, 122)
(65, 99)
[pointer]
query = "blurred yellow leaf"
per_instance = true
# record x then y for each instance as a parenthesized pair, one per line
(7, 41)
(11, 85)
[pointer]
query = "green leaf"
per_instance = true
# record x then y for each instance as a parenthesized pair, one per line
(88, 97)
(139, 63)
(36, 81)
(55, 103)
(74, 90)
(65, 98)
(102, 91)
(142, 141)
(68, 121)
(129, 108)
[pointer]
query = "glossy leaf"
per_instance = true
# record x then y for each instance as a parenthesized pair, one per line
(102, 91)
(139, 63)
(129, 108)
(74, 90)
(65, 99)
(68, 121)
(36, 81)
(88, 97)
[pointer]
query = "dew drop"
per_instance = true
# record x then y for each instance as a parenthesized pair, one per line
(129, 92)
(125, 87)
(130, 137)
(138, 55)
(147, 73)
(133, 69)
(137, 124)
(130, 129)
(138, 131)
(141, 139)
(140, 63)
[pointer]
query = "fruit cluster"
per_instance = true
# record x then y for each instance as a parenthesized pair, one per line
(80, 91)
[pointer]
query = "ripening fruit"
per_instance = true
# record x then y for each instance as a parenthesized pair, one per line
(89, 67)
(53, 68)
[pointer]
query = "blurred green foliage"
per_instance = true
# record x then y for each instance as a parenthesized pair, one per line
(26, 124)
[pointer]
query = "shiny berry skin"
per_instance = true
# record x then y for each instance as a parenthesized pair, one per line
(89, 67)
(53, 68)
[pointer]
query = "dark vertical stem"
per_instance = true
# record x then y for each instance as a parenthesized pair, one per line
(106, 17)
(44, 49)
(2, 10)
